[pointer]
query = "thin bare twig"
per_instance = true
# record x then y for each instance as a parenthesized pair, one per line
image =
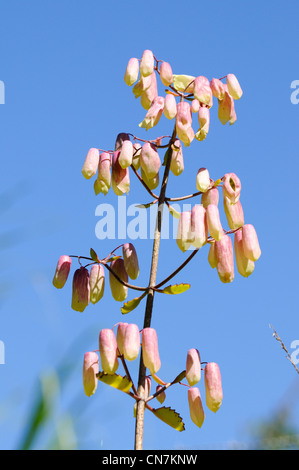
(275, 334)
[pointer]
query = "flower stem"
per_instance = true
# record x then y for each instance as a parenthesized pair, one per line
(150, 298)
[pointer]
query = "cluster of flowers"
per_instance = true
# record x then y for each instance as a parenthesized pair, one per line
(127, 344)
(199, 88)
(204, 218)
(89, 286)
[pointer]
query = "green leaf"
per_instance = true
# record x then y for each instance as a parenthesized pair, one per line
(176, 289)
(94, 256)
(174, 212)
(145, 206)
(132, 304)
(113, 258)
(170, 417)
(117, 381)
(179, 378)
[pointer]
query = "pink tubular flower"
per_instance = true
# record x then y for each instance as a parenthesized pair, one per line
(97, 283)
(120, 176)
(234, 213)
(103, 182)
(147, 63)
(218, 88)
(120, 139)
(204, 123)
(183, 83)
(108, 351)
(195, 406)
(195, 106)
(150, 352)
(91, 163)
(136, 156)
(225, 259)
(162, 395)
(119, 291)
(184, 235)
(193, 367)
(210, 197)
(166, 73)
(131, 344)
(81, 290)
(245, 266)
(131, 260)
(231, 187)
(126, 154)
(213, 221)
(170, 108)
(62, 271)
(184, 123)
(150, 160)
(202, 91)
(152, 183)
(203, 181)
(251, 245)
(120, 336)
(147, 386)
(154, 113)
(199, 227)
(90, 371)
(212, 257)
(177, 160)
(226, 109)
(213, 386)
(233, 86)
(132, 71)
(151, 92)
(142, 85)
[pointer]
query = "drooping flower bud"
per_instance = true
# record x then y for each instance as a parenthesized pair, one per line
(195, 106)
(150, 351)
(204, 123)
(184, 123)
(202, 91)
(210, 197)
(62, 271)
(195, 406)
(120, 336)
(213, 221)
(234, 86)
(231, 187)
(90, 371)
(97, 283)
(131, 260)
(120, 176)
(119, 291)
(203, 181)
(170, 108)
(152, 183)
(126, 154)
(103, 182)
(132, 71)
(131, 345)
(245, 266)
(147, 386)
(136, 156)
(120, 139)
(151, 92)
(91, 163)
(177, 160)
(142, 85)
(234, 213)
(162, 395)
(218, 88)
(183, 83)
(225, 259)
(184, 235)
(81, 290)
(154, 113)
(193, 367)
(226, 109)
(199, 228)
(250, 242)
(213, 386)
(108, 351)
(212, 256)
(147, 63)
(150, 160)
(166, 73)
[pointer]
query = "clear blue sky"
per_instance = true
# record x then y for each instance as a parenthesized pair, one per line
(63, 64)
